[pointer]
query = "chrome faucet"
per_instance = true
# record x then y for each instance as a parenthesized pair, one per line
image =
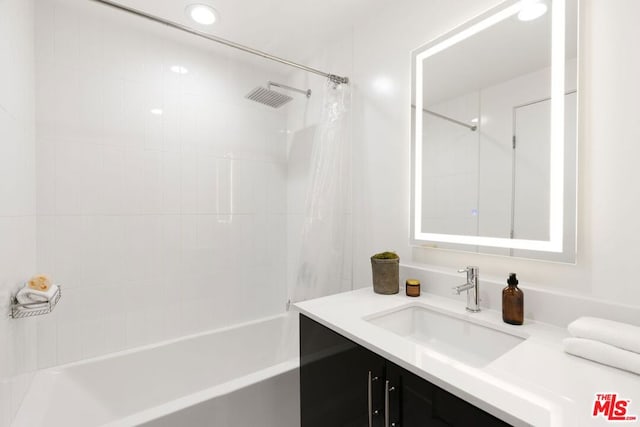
(472, 288)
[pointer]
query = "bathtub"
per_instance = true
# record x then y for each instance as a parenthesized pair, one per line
(245, 375)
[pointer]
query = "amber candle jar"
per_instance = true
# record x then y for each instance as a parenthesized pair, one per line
(412, 287)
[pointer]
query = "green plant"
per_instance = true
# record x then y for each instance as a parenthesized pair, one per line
(386, 255)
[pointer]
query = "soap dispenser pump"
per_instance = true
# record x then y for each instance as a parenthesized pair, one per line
(512, 302)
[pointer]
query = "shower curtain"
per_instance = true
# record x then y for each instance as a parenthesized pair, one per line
(324, 267)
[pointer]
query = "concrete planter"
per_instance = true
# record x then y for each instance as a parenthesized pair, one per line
(386, 275)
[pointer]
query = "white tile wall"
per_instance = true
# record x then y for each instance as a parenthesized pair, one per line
(17, 198)
(156, 225)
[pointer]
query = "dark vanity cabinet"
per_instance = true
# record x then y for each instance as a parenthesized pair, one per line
(336, 377)
(342, 384)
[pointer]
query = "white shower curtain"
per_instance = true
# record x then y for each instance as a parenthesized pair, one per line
(324, 268)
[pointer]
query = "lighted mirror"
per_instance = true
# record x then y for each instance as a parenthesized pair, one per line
(494, 133)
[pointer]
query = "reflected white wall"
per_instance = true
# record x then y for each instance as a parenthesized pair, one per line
(450, 174)
(468, 177)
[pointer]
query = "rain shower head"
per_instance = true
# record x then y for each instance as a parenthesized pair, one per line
(271, 97)
(268, 97)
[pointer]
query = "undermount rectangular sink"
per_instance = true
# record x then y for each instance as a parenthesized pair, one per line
(457, 338)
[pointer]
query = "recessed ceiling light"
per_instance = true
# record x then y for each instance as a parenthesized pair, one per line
(532, 9)
(179, 69)
(202, 14)
(156, 111)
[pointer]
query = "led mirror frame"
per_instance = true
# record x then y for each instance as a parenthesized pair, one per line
(556, 206)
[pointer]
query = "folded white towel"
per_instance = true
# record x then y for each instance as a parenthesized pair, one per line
(27, 295)
(603, 353)
(618, 334)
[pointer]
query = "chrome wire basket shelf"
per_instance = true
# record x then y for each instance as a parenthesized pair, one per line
(19, 311)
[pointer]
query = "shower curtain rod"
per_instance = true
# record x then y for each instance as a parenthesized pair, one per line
(334, 78)
(473, 128)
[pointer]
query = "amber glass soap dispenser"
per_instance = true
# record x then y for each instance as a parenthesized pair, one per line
(512, 302)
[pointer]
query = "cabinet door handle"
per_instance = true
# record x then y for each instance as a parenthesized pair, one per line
(370, 380)
(387, 389)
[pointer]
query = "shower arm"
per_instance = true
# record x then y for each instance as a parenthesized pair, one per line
(294, 89)
(332, 77)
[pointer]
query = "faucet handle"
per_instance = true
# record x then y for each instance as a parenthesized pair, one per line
(463, 270)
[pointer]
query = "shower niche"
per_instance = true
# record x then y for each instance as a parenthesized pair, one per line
(494, 113)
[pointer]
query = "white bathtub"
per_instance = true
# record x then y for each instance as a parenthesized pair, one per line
(245, 375)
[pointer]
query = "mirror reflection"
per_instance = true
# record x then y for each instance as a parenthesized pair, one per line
(486, 142)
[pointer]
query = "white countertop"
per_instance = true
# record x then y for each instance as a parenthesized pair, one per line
(535, 383)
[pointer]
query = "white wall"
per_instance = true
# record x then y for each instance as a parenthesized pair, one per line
(17, 197)
(156, 225)
(608, 203)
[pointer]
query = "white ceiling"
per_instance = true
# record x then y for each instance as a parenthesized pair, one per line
(287, 28)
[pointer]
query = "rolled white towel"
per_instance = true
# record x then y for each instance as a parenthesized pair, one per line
(618, 334)
(603, 353)
(27, 295)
